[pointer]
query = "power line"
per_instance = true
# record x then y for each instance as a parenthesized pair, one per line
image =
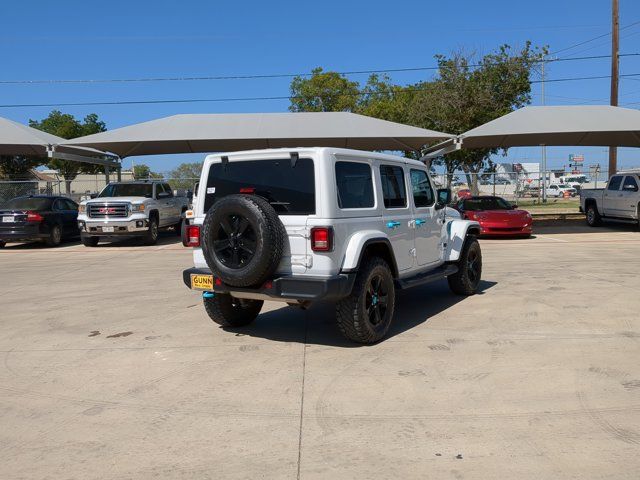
(270, 76)
(592, 39)
(252, 99)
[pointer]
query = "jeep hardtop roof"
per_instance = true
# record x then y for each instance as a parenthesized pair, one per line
(269, 154)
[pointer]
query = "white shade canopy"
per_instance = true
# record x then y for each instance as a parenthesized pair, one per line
(232, 132)
(17, 139)
(574, 125)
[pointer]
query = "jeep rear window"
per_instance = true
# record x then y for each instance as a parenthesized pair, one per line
(355, 188)
(289, 188)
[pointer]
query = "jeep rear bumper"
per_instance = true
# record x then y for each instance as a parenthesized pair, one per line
(287, 288)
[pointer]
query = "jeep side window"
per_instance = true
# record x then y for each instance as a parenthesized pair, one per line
(422, 191)
(614, 183)
(355, 186)
(394, 192)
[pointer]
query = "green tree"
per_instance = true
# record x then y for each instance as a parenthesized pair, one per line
(469, 92)
(380, 98)
(67, 126)
(185, 175)
(142, 171)
(323, 92)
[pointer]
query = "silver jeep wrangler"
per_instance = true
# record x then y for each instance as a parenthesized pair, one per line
(308, 224)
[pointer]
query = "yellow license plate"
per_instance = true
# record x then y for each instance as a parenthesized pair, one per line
(202, 282)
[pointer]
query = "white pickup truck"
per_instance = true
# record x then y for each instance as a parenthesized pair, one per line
(131, 209)
(620, 200)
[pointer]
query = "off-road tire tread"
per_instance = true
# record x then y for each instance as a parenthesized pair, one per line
(347, 313)
(221, 311)
(274, 229)
(459, 281)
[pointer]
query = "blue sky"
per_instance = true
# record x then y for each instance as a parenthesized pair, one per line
(134, 39)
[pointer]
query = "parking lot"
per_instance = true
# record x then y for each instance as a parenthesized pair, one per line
(111, 369)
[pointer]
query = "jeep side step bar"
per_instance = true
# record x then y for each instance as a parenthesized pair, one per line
(426, 277)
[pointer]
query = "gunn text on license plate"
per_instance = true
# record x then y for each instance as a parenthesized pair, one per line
(201, 282)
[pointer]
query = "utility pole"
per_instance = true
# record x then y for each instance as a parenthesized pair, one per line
(615, 47)
(544, 148)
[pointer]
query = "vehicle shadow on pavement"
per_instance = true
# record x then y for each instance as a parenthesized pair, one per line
(164, 238)
(40, 245)
(317, 325)
(581, 227)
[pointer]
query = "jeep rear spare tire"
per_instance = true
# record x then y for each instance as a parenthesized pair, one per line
(242, 240)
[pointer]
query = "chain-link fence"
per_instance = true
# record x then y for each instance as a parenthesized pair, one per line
(82, 187)
(555, 185)
(16, 188)
(516, 186)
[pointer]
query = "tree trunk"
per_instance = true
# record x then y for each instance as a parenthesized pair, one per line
(450, 170)
(67, 186)
(472, 180)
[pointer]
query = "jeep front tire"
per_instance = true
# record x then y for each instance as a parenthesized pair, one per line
(467, 279)
(365, 315)
(228, 311)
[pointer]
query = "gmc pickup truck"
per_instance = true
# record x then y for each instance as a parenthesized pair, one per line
(131, 209)
(620, 200)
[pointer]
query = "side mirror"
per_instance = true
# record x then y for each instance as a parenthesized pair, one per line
(443, 198)
(514, 206)
(163, 195)
(93, 195)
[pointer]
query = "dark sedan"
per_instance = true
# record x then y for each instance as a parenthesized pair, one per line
(38, 218)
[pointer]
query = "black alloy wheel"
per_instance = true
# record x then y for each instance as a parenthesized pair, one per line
(376, 299)
(235, 241)
(473, 267)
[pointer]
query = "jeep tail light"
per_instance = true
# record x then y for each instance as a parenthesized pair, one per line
(191, 236)
(322, 239)
(34, 217)
(250, 190)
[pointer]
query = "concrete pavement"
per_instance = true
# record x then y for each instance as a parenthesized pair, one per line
(111, 369)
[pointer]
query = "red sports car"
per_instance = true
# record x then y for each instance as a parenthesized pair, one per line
(464, 193)
(496, 216)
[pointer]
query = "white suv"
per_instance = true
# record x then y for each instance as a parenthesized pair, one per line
(305, 224)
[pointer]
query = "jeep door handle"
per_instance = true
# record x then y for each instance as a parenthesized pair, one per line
(393, 224)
